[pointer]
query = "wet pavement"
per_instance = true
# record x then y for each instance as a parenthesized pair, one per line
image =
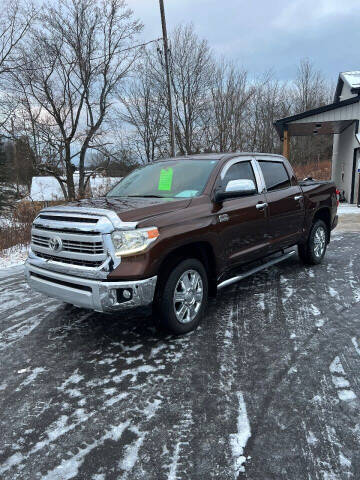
(267, 388)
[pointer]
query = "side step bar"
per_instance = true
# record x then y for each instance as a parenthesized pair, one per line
(232, 280)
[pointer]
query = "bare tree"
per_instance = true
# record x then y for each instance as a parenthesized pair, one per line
(144, 107)
(310, 90)
(268, 103)
(16, 18)
(226, 115)
(191, 72)
(79, 53)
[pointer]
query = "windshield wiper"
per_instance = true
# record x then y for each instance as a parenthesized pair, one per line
(146, 196)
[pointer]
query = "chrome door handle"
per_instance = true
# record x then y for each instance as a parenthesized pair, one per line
(224, 217)
(298, 197)
(260, 206)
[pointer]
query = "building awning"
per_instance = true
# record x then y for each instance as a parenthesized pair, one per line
(325, 120)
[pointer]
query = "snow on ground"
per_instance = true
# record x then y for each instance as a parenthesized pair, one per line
(239, 439)
(347, 209)
(13, 256)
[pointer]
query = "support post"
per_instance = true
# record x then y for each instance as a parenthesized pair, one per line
(286, 144)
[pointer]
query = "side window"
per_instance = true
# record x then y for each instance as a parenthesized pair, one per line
(275, 175)
(240, 171)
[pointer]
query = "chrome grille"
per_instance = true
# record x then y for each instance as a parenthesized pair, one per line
(71, 245)
(69, 261)
(69, 239)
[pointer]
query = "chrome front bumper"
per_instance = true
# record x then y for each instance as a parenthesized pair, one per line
(101, 296)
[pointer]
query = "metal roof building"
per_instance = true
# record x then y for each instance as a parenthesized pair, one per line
(340, 119)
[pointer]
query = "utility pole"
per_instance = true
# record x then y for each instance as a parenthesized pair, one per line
(166, 57)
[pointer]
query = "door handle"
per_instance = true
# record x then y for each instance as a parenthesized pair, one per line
(298, 197)
(261, 206)
(224, 217)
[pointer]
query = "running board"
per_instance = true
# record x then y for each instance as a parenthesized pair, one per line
(232, 280)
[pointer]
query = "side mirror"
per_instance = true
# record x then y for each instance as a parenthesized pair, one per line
(236, 188)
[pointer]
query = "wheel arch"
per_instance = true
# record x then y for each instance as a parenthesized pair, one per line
(324, 214)
(202, 251)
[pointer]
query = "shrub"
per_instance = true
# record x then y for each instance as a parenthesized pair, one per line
(317, 170)
(17, 228)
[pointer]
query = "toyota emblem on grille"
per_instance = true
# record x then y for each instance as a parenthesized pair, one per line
(55, 244)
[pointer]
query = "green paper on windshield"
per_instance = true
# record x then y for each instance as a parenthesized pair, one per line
(165, 180)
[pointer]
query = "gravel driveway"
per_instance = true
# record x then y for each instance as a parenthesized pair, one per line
(267, 388)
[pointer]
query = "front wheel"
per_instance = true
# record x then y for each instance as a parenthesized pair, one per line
(183, 297)
(313, 251)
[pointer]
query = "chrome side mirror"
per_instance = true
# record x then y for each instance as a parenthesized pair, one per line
(240, 187)
(236, 188)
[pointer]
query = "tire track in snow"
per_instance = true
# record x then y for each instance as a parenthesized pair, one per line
(234, 407)
(138, 399)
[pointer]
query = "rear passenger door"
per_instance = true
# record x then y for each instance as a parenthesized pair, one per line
(285, 204)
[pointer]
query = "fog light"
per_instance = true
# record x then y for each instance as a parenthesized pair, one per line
(126, 294)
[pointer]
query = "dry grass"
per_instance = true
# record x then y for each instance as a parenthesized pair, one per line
(16, 229)
(317, 170)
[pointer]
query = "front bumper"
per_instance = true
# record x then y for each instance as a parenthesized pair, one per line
(96, 295)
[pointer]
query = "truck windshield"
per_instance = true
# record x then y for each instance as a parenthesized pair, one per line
(168, 179)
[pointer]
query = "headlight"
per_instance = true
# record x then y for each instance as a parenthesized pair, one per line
(131, 242)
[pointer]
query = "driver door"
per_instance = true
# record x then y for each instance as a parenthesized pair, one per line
(242, 221)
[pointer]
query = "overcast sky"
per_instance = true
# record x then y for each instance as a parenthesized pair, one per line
(268, 34)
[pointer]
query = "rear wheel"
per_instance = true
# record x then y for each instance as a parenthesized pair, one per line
(183, 297)
(313, 251)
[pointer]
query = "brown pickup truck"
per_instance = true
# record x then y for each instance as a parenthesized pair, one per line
(176, 231)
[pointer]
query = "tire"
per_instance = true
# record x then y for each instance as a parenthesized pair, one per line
(189, 280)
(313, 251)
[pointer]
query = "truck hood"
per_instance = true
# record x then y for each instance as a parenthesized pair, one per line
(135, 209)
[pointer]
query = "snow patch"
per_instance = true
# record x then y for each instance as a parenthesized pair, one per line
(111, 401)
(336, 367)
(314, 310)
(346, 395)
(347, 209)
(10, 257)
(15, 459)
(311, 439)
(333, 292)
(32, 376)
(287, 294)
(135, 371)
(174, 463)
(151, 408)
(356, 345)
(344, 462)
(340, 382)
(70, 468)
(74, 378)
(132, 451)
(238, 440)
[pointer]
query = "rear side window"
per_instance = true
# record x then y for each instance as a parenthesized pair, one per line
(275, 175)
(240, 171)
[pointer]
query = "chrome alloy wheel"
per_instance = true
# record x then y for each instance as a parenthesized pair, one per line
(319, 242)
(188, 296)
